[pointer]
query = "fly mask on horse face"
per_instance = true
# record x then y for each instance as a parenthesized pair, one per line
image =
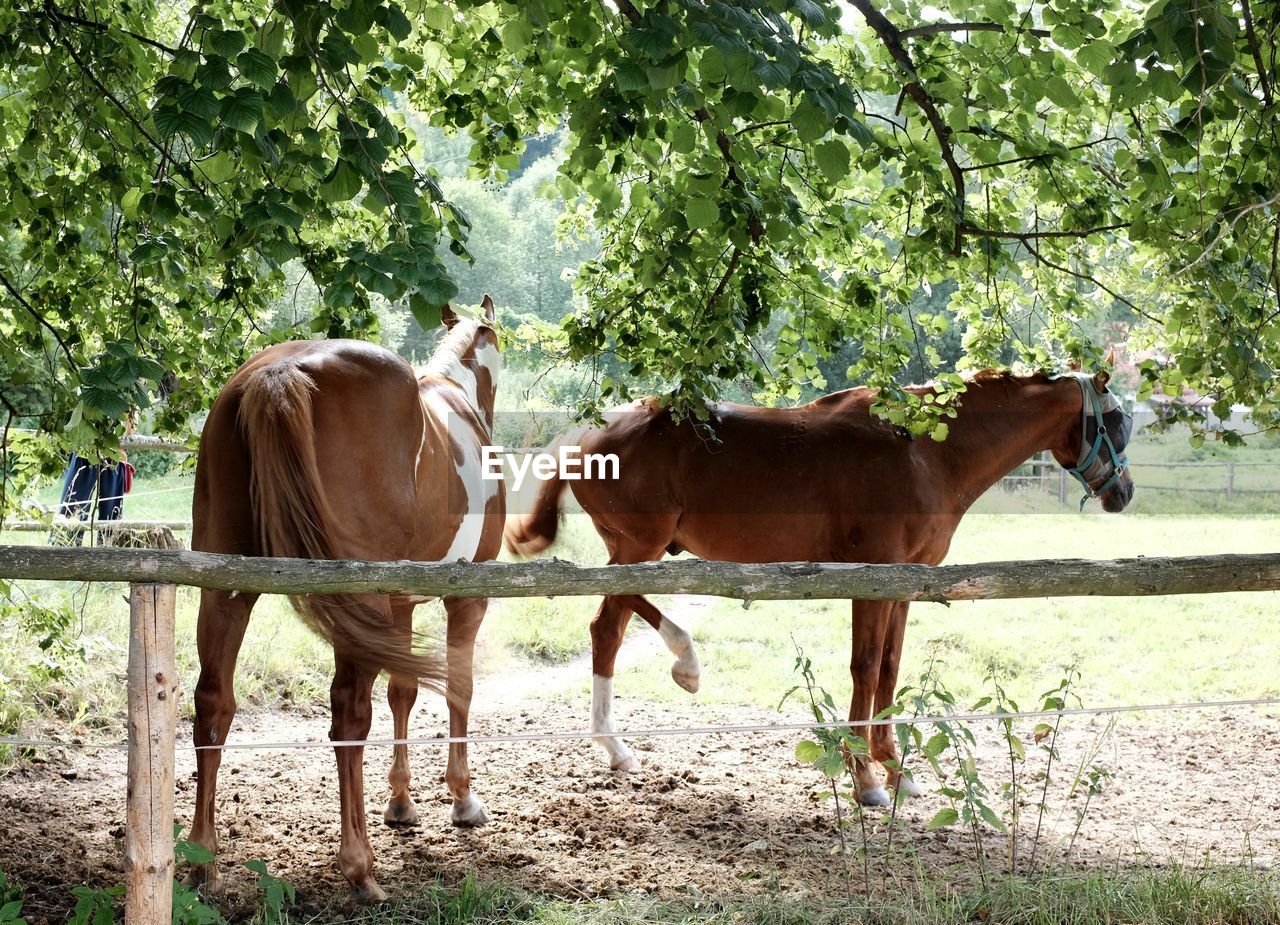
(1104, 433)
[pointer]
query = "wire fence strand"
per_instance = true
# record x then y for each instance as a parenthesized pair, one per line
(664, 731)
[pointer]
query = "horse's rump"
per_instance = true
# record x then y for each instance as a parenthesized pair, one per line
(294, 518)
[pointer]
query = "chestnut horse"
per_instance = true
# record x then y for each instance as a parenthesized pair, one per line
(827, 481)
(335, 449)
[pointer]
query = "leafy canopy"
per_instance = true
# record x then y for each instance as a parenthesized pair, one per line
(793, 163)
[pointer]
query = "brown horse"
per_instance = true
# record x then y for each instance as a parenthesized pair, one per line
(827, 481)
(335, 449)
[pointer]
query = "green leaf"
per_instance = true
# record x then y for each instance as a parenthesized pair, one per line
(397, 23)
(285, 215)
(342, 183)
(516, 35)
(170, 121)
(942, 818)
(810, 122)
(257, 67)
(438, 17)
(226, 42)
(129, 202)
(808, 751)
(683, 138)
(437, 291)
(936, 745)
(831, 764)
(219, 168)
(833, 159)
(1060, 92)
(630, 76)
(242, 110)
(700, 212)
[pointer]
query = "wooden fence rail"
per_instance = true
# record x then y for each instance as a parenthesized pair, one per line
(555, 578)
(153, 680)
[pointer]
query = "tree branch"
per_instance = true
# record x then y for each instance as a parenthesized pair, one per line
(52, 10)
(1043, 154)
(1024, 236)
(1040, 258)
(891, 38)
(43, 322)
(937, 27)
(1252, 36)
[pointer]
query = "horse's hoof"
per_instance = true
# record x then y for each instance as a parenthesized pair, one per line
(906, 787)
(874, 796)
(401, 815)
(368, 891)
(626, 764)
(469, 812)
(204, 880)
(686, 678)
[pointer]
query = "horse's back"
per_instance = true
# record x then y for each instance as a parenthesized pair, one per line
(826, 480)
(365, 426)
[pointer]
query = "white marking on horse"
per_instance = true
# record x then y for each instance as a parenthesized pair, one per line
(620, 757)
(466, 542)
(465, 378)
(469, 811)
(686, 671)
(489, 358)
(422, 444)
(908, 787)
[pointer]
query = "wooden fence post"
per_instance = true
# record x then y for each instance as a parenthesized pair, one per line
(1231, 480)
(153, 694)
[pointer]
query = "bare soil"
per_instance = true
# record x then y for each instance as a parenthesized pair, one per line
(717, 815)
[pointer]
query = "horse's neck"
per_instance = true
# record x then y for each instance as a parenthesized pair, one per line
(1000, 426)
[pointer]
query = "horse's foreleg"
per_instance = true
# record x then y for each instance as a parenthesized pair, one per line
(870, 623)
(686, 671)
(402, 693)
(465, 616)
(351, 698)
(883, 742)
(607, 630)
(220, 629)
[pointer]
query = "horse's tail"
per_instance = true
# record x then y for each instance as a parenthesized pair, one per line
(295, 520)
(533, 531)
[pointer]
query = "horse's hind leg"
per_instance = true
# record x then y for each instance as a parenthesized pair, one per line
(402, 694)
(686, 671)
(219, 632)
(351, 698)
(883, 745)
(465, 616)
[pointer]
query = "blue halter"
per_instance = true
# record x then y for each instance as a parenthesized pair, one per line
(1092, 461)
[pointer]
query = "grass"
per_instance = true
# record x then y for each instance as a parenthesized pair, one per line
(1135, 896)
(1170, 896)
(1173, 896)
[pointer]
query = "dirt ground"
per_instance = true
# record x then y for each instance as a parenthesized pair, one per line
(711, 815)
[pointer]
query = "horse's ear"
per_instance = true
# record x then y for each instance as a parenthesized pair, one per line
(447, 317)
(1110, 358)
(490, 313)
(1100, 380)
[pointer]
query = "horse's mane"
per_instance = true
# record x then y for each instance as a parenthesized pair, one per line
(451, 348)
(981, 377)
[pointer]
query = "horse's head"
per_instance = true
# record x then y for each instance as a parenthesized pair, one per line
(1094, 449)
(473, 345)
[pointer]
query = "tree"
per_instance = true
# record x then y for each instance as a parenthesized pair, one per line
(741, 162)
